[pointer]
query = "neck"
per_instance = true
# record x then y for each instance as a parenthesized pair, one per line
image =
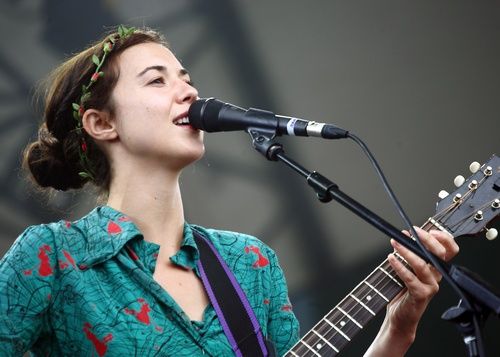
(153, 201)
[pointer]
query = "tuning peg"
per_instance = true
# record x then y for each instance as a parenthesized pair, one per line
(474, 167)
(473, 185)
(443, 194)
(459, 180)
(496, 203)
(491, 233)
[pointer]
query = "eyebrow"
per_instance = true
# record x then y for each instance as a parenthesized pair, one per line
(159, 68)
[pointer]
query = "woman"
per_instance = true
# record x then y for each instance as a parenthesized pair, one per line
(123, 279)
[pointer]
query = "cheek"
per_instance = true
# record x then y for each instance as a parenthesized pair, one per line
(134, 119)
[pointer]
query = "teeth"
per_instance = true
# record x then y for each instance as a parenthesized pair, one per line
(180, 121)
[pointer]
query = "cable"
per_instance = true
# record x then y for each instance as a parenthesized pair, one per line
(430, 257)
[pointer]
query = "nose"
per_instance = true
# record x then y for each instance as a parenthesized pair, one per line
(187, 93)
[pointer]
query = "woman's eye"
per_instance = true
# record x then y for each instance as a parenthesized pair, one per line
(158, 80)
(190, 82)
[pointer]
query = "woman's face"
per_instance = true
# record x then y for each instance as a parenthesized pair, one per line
(152, 96)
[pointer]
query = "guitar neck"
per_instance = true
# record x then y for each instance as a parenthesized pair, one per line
(337, 328)
(464, 212)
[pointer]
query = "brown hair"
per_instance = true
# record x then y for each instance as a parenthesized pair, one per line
(53, 160)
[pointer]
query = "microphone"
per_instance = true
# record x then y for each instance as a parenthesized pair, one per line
(212, 115)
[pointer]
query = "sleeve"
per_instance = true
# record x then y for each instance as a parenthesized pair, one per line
(26, 279)
(283, 326)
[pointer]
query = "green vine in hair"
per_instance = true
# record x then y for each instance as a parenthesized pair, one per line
(79, 108)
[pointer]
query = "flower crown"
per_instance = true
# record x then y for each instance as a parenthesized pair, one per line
(79, 108)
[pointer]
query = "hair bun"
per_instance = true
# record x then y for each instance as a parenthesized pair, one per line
(46, 162)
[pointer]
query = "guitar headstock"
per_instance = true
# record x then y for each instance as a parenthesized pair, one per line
(475, 202)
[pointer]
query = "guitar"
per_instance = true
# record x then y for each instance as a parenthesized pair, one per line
(464, 212)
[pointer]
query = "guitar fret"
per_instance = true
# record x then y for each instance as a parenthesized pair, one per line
(384, 284)
(332, 344)
(349, 316)
(402, 260)
(337, 329)
(362, 304)
(390, 276)
(378, 292)
(369, 297)
(310, 348)
(326, 341)
(293, 353)
(356, 311)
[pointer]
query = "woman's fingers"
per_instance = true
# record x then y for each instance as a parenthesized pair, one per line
(448, 242)
(421, 280)
(442, 244)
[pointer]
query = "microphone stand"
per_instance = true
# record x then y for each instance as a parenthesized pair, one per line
(467, 319)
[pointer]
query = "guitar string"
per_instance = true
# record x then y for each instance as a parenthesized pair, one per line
(470, 192)
(465, 219)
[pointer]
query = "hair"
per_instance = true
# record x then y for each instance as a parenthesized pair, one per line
(53, 160)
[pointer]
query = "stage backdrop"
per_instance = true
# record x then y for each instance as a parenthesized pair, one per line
(419, 81)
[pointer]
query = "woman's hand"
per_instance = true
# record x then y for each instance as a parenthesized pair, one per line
(405, 310)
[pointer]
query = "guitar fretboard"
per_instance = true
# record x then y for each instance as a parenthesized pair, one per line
(334, 331)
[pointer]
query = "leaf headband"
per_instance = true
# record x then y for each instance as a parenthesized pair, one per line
(78, 108)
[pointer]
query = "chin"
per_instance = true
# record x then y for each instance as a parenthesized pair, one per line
(198, 156)
(191, 157)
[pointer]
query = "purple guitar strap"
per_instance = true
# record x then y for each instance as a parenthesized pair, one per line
(235, 314)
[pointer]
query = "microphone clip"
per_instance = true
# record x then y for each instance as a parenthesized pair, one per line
(263, 142)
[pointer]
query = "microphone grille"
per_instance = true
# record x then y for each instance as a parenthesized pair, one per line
(203, 113)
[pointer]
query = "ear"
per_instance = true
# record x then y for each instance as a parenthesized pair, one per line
(99, 125)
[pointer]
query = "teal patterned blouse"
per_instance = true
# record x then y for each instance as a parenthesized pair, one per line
(86, 288)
